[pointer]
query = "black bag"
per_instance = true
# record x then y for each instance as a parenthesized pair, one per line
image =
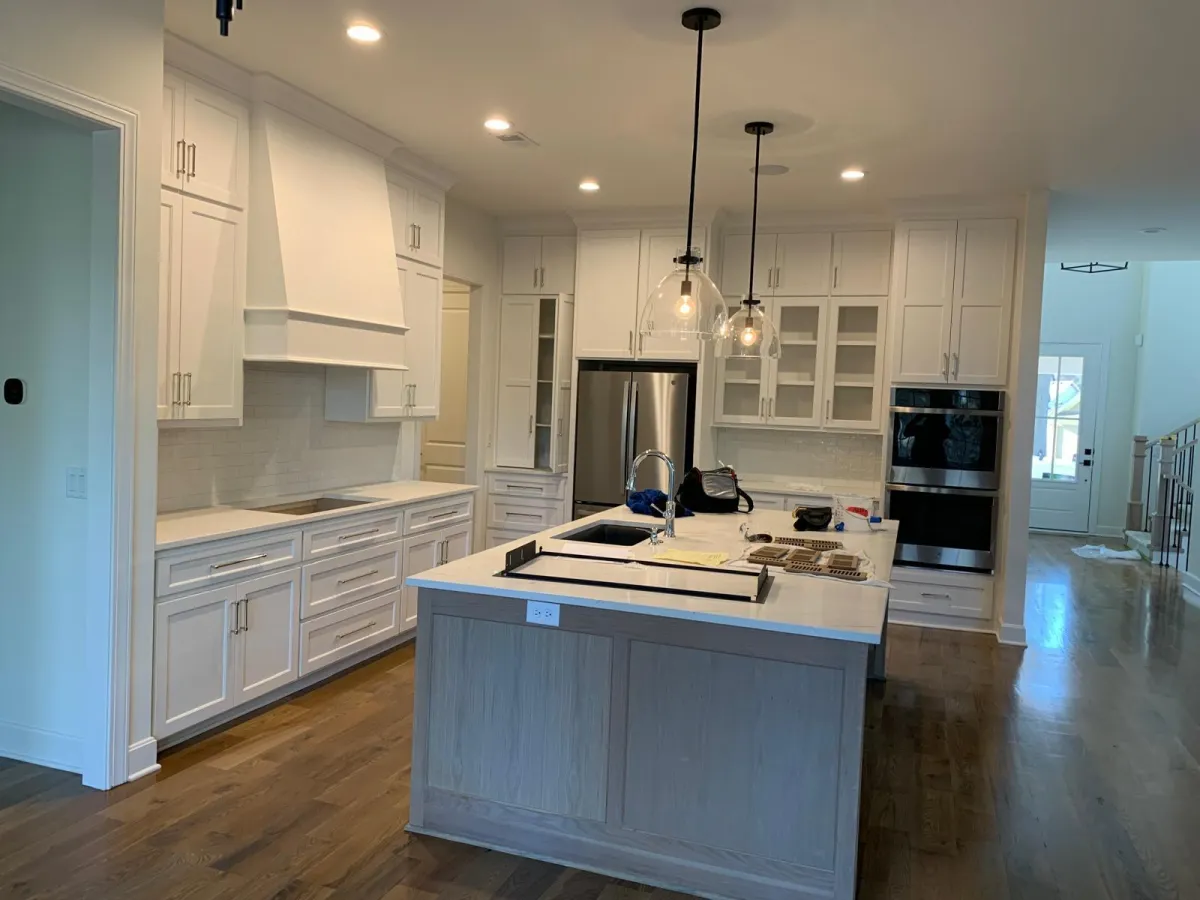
(812, 518)
(712, 492)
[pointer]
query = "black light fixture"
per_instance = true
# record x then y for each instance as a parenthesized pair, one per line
(1095, 268)
(750, 334)
(686, 304)
(225, 9)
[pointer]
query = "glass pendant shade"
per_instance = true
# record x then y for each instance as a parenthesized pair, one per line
(749, 334)
(685, 305)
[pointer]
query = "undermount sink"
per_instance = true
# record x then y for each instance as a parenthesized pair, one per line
(611, 533)
(316, 505)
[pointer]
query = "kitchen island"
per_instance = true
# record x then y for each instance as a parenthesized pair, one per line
(701, 744)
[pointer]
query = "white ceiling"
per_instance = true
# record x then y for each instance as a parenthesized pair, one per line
(1092, 98)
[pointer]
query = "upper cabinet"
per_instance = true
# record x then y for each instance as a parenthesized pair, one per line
(539, 265)
(952, 297)
(534, 386)
(418, 219)
(808, 264)
(202, 284)
(862, 263)
(205, 141)
(616, 272)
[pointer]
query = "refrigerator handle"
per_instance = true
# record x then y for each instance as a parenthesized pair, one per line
(631, 445)
(625, 390)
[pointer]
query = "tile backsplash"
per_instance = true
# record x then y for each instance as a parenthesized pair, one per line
(285, 447)
(802, 454)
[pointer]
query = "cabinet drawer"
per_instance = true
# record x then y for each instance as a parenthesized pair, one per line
(963, 601)
(343, 632)
(763, 500)
(499, 536)
(537, 487)
(341, 580)
(338, 535)
(212, 563)
(523, 515)
(430, 516)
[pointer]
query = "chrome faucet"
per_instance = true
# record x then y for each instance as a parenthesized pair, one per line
(668, 514)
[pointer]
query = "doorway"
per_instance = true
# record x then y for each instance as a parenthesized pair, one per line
(444, 440)
(1063, 468)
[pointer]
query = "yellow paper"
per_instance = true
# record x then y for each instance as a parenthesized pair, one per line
(693, 557)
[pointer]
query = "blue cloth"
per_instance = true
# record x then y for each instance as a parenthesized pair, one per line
(643, 503)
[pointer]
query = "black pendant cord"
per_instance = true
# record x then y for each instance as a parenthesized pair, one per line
(687, 252)
(754, 218)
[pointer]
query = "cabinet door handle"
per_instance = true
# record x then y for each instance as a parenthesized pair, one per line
(631, 343)
(956, 367)
(357, 534)
(835, 276)
(535, 275)
(412, 236)
(237, 618)
(778, 275)
(216, 567)
(419, 241)
(355, 578)
(770, 407)
(345, 634)
(531, 424)
(559, 431)
(187, 380)
(543, 281)
(762, 407)
(946, 366)
(180, 158)
(445, 553)
(176, 379)
(829, 410)
(192, 168)
(641, 344)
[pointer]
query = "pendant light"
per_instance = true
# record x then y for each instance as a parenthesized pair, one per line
(686, 304)
(750, 334)
(225, 14)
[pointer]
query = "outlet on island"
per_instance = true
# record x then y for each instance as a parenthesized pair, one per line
(538, 613)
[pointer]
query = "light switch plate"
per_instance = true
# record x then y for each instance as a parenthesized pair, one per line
(538, 613)
(76, 484)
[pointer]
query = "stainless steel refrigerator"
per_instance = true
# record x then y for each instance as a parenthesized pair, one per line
(623, 409)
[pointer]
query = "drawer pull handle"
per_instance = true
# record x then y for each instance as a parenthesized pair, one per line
(446, 515)
(357, 534)
(346, 634)
(937, 596)
(524, 487)
(516, 515)
(237, 562)
(358, 577)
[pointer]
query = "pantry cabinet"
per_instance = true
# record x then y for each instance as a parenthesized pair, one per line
(205, 141)
(202, 290)
(953, 293)
(539, 265)
(616, 270)
(534, 382)
(418, 219)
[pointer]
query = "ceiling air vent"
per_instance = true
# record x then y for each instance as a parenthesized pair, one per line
(517, 139)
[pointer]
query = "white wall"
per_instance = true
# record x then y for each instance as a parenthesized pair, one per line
(113, 51)
(1103, 309)
(1168, 391)
(45, 297)
(284, 448)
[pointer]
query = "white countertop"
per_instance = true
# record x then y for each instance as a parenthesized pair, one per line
(795, 604)
(193, 526)
(780, 485)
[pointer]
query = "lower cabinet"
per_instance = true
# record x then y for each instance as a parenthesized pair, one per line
(216, 649)
(343, 632)
(428, 551)
(940, 598)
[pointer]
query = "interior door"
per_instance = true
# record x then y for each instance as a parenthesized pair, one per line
(422, 354)
(217, 132)
(270, 635)
(515, 391)
(923, 299)
(802, 265)
(983, 290)
(1070, 384)
(170, 283)
(193, 658)
(444, 439)
(661, 419)
(658, 253)
(210, 318)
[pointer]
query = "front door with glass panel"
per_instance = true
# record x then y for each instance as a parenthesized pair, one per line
(1064, 436)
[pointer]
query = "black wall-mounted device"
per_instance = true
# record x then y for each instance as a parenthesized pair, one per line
(14, 391)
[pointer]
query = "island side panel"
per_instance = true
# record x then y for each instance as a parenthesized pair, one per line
(519, 715)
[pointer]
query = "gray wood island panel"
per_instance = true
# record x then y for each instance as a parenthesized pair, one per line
(717, 760)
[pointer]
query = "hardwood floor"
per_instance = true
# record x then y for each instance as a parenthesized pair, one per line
(1069, 770)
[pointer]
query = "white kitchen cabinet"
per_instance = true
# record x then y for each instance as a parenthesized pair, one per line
(862, 263)
(202, 290)
(381, 395)
(952, 290)
(206, 141)
(193, 658)
(418, 219)
(854, 363)
(658, 253)
(534, 382)
(428, 551)
(539, 265)
(786, 264)
(735, 267)
(269, 639)
(606, 294)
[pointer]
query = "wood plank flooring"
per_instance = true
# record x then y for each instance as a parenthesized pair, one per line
(1069, 770)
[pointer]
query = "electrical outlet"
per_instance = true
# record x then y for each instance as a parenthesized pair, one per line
(77, 484)
(541, 613)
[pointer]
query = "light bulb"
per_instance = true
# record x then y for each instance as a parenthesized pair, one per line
(748, 335)
(684, 307)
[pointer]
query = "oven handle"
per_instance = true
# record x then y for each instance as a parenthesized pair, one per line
(986, 413)
(923, 489)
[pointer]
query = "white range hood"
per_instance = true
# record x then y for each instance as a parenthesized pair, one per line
(322, 281)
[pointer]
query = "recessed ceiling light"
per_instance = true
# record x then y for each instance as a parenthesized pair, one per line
(853, 175)
(497, 124)
(1156, 229)
(363, 33)
(589, 185)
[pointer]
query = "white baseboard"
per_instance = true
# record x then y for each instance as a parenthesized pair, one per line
(1191, 588)
(1109, 531)
(40, 747)
(936, 620)
(1013, 635)
(143, 758)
